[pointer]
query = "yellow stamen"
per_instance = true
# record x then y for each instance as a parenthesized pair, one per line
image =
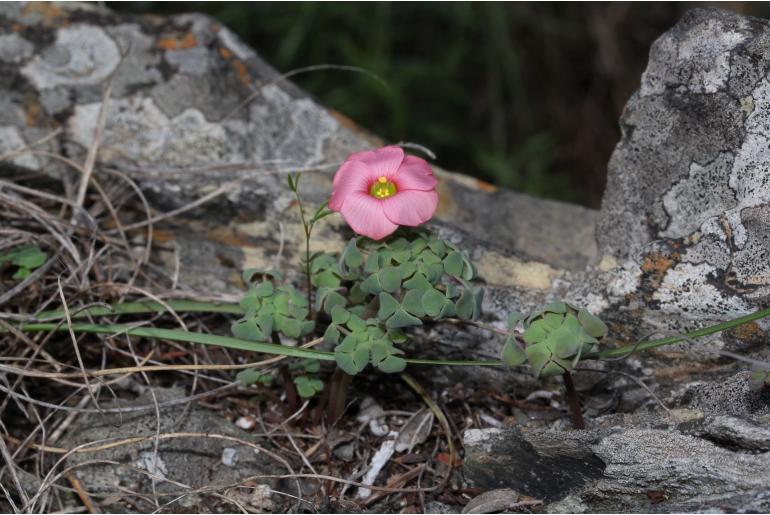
(383, 188)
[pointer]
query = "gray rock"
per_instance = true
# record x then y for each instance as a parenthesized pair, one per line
(619, 470)
(689, 180)
(737, 432)
(545, 468)
(181, 463)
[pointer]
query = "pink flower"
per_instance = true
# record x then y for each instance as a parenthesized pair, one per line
(378, 190)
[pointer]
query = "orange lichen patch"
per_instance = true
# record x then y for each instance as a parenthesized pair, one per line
(486, 187)
(657, 262)
(747, 332)
(685, 370)
(51, 14)
(242, 72)
(162, 235)
(225, 52)
(177, 43)
(34, 114)
(229, 236)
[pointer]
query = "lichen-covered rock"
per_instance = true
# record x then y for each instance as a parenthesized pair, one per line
(621, 469)
(688, 194)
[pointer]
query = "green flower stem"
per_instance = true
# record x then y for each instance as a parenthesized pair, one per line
(191, 306)
(628, 349)
(182, 336)
(144, 307)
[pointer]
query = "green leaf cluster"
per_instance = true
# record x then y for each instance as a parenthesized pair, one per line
(376, 289)
(269, 308)
(25, 258)
(554, 338)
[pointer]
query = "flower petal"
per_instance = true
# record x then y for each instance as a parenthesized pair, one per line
(384, 162)
(410, 207)
(415, 174)
(352, 176)
(364, 214)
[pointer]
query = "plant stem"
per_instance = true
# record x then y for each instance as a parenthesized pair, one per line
(338, 395)
(705, 331)
(308, 230)
(573, 401)
(226, 341)
(289, 388)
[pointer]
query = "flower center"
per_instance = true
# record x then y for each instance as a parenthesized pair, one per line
(383, 188)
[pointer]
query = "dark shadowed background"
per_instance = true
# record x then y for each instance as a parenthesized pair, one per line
(525, 95)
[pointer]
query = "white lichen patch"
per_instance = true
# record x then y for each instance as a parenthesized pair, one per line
(14, 48)
(702, 194)
(137, 129)
(81, 54)
(292, 130)
(12, 140)
(152, 463)
(697, 61)
(686, 292)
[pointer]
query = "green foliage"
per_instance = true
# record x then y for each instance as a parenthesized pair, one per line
(252, 376)
(308, 386)
(554, 338)
(393, 285)
(269, 309)
(25, 258)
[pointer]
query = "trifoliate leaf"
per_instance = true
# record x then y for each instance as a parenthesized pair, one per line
(264, 289)
(371, 285)
(288, 326)
(251, 376)
(453, 264)
(402, 319)
(250, 302)
(592, 324)
(433, 301)
(563, 341)
(466, 305)
(388, 306)
(307, 386)
(332, 334)
(333, 299)
(392, 364)
(418, 282)
(356, 324)
(401, 256)
(407, 269)
(390, 278)
(247, 329)
(339, 315)
(437, 246)
(372, 263)
(512, 354)
(412, 301)
(351, 256)
(418, 245)
(326, 279)
(538, 356)
(536, 332)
